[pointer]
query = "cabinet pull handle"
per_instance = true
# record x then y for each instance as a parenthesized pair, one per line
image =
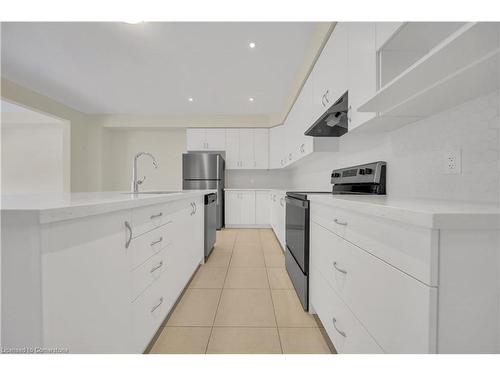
(129, 239)
(337, 221)
(339, 269)
(290, 156)
(302, 148)
(342, 333)
(195, 208)
(157, 241)
(323, 100)
(192, 209)
(157, 305)
(156, 216)
(159, 265)
(326, 96)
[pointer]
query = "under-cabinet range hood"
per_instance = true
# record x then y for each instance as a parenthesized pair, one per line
(332, 123)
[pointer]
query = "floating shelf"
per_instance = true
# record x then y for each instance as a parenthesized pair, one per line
(464, 47)
(478, 78)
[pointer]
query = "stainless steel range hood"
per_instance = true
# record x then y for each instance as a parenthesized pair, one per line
(333, 123)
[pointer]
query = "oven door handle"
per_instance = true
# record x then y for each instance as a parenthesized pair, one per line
(297, 202)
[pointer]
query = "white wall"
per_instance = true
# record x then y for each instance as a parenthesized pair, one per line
(120, 147)
(415, 155)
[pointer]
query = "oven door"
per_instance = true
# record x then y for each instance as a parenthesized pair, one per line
(297, 231)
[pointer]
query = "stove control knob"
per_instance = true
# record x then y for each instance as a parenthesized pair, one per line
(335, 175)
(361, 171)
(368, 171)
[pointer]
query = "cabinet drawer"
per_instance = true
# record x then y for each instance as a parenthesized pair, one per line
(147, 273)
(148, 218)
(345, 331)
(399, 311)
(143, 247)
(148, 312)
(412, 249)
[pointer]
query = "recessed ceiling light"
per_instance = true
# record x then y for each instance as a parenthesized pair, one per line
(133, 22)
(251, 99)
(190, 99)
(251, 44)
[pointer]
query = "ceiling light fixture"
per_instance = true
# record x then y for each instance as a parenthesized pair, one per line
(190, 99)
(134, 22)
(251, 44)
(251, 99)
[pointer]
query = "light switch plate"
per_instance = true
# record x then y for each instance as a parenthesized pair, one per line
(452, 162)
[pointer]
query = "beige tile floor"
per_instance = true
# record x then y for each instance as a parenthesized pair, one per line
(241, 301)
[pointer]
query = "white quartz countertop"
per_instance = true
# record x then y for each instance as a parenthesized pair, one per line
(437, 214)
(64, 206)
(259, 189)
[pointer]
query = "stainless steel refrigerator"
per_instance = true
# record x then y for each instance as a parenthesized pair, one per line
(201, 171)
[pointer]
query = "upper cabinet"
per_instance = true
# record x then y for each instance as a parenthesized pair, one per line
(362, 72)
(277, 145)
(384, 31)
(247, 148)
(200, 139)
(329, 75)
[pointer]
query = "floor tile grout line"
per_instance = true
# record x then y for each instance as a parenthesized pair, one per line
(274, 310)
(220, 296)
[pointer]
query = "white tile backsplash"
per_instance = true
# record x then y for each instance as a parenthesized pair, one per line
(415, 155)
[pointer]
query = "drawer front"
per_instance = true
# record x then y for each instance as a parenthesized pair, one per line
(148, 312)
(345, 331)
(144, 247)
(399, 311)
(412, 249)
(148, 218)
(147, 273)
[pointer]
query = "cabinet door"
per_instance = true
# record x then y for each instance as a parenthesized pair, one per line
(330, 72)
(216, 139)
(276, 142)
(261, 148)
(281, 219)
(362, 70)
(247, 207)
(195, 139)
(233, 207)
(86, 285)
(247, 156)
(262, 208)
(232, 149)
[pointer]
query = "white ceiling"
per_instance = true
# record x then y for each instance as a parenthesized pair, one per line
(153, 68)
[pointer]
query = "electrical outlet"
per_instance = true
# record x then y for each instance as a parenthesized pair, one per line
(452, 162)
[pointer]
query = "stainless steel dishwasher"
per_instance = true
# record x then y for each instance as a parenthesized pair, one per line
(210, 222)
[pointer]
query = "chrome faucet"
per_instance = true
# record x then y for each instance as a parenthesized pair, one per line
(136, 182)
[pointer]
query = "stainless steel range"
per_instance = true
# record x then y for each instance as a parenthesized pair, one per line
(365, 179)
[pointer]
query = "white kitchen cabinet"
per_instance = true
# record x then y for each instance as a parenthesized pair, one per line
(200, 139)
(362, 70)
(261, 148)
(262, 208)
(437, 294)
(277, 145)
(100, 283)
(247, 148)
(278, 208)
(330, 79)
(239, 208)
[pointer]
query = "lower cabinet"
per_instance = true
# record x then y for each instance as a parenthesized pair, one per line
(278, 208)
(100, 284)
(247, 208)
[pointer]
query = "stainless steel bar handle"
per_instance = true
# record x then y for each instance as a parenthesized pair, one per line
(157, 305)
(339, 222)
(339, 269)
(156, 216)
(159, 265)
(157, 241)
(192, 209)
(342, 333)
(326, 96)
(129, 239)
(281, 201)
(195, 208)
